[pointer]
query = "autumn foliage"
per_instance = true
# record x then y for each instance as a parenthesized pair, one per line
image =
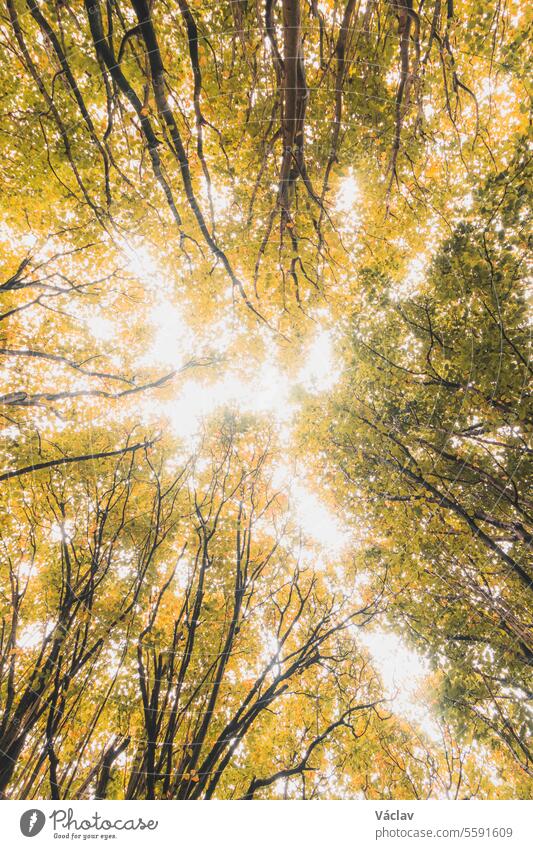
(265, 467)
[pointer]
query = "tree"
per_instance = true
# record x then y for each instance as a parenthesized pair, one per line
(207, 206)
(430, 434)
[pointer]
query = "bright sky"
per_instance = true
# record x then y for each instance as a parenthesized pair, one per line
(403, 673)
(264, 387)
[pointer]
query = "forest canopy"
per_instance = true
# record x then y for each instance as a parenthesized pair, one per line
(265, 457)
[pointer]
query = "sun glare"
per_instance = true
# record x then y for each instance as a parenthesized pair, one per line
(347, 194)
(263, 386)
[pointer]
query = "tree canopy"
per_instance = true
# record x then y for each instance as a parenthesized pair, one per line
(265, 464)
